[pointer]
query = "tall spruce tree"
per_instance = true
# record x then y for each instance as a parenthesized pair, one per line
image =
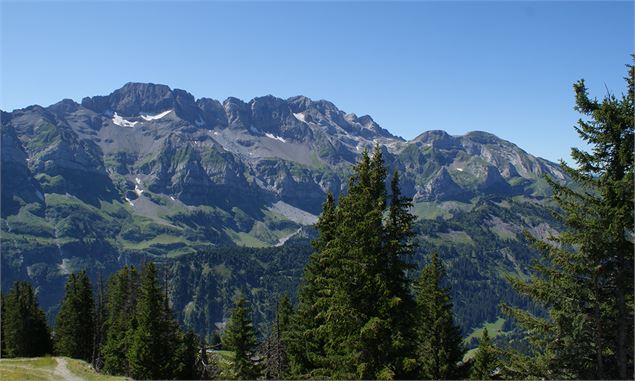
(354, 305)
(25, 331)
(152, 350)
(401, 307)
(121, 320)
(439, 342)
(585, 278)
(74, 324)
(239, 337)
(306, 338)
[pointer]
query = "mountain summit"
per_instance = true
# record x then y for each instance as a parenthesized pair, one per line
(150, 170)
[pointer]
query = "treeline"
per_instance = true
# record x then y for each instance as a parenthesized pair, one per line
(125, 328)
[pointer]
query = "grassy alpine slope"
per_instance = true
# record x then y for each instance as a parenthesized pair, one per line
(50, 369)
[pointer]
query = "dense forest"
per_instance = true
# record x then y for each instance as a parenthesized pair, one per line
(364, 309)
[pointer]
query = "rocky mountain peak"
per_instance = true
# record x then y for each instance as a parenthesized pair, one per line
(482, 137)
(134, 98)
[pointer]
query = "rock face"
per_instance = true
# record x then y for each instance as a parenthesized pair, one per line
(204, 152)
(148, 170)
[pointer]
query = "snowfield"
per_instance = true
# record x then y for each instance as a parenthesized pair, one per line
(272, 136)
(155, 117)
(121, 122)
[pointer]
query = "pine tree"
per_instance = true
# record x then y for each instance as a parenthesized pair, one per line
(306, 339)
(150, 353)
(354, 311)
(609, 167)
(121, 321)
(240, 338)
(439, 341)
(24, 324)
(359, 332)
(585, 278)
(74, 324)
(401, 307)
(485, 359)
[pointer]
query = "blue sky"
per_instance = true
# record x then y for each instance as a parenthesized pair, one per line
(501, 67)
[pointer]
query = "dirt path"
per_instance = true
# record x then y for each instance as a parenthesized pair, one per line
(62, 370)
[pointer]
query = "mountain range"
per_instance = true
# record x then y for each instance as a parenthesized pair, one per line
(150, 172)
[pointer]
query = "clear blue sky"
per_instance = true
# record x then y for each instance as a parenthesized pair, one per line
(502, 67)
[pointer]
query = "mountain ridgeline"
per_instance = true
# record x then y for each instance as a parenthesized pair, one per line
(151, 173)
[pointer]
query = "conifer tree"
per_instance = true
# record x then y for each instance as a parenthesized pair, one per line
(121, 321)
(74, 324)
(239, 337)
(306, 338)
(26, 333)
(354, 309)
(186, 367)
(439, 341)
(585, 278)
(485, 359)
(401, 307)
(150, 354)
(359, 332)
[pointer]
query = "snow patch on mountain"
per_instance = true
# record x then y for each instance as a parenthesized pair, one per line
(155, 117)
(121, 122)
(272, 136)
(299, 116)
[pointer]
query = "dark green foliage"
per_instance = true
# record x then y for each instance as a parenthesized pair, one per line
(25, 333)
(439, 341)
(99, 325)
(157, 349)
(202, 284)
(74, 326)
(485, 360)
(186, 367)
(585, 279)
(306, 340)
(121, 321)
(143, 340)
(147, 353)
(239, 337)
(355, 310)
